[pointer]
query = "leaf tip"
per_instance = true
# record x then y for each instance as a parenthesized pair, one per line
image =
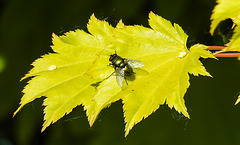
(120, 24)
(92, 119)
(126, 132)
(46, 123)
(43, 129)
(19, 108)
(93, 17)
(91, 122)
(151, 14)
(25, 76)
(54, 35)
(14, 114)
(185, 113)
(238, 100)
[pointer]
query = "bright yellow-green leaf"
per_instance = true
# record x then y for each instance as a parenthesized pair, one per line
(228, 9)
(167, 60)
(234, 44)
(223, 10)
(61, 76)
(79, 72)
(238, 100)
(2, 63)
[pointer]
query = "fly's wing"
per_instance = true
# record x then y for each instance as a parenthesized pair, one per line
(134, 63)
(119, 76)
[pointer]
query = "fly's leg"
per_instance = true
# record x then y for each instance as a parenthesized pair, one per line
(126, 81)
(110, 64)
(98, 83)
(109, 76)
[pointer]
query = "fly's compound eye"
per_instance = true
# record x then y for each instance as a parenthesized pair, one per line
(112, 57)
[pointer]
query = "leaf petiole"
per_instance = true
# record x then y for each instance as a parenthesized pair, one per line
(215, 47)
(227, 55)
(222, 54)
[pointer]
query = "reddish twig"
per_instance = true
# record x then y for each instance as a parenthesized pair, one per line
(227, 55)
(215, 47)
(222, 54)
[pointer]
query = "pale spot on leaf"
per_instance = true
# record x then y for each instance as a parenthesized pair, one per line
(182, 54)
(52, 67)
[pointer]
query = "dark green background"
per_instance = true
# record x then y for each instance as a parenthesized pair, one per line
(26, 27)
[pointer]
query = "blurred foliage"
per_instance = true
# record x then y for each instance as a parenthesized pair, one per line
(225, 31)
(2, 63)
(25, 34)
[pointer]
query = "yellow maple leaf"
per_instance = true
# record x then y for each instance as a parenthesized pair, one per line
(79, 72)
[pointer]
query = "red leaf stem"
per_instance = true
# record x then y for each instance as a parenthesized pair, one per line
(227, 55)
(215, 47)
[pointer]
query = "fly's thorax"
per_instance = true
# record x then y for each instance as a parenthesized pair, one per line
(118, 62)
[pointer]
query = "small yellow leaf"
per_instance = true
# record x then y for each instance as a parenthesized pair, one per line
(234, 44)
(238, 100)
(223, 10)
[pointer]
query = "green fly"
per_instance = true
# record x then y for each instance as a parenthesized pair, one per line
(123, 67)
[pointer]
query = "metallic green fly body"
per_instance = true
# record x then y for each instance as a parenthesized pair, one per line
(123, 67)
(117, 61)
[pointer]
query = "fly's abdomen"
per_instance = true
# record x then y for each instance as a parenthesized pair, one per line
(128, 71)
